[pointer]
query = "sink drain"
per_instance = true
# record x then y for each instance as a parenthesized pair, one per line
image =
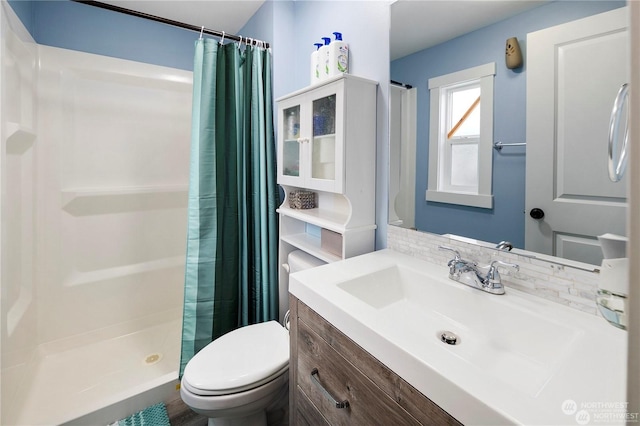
(152, 358)
(449, 338)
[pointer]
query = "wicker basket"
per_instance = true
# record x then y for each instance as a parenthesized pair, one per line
(302, 199)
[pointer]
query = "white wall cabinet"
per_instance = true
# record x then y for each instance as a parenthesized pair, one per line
(312, 138)
(327, 144)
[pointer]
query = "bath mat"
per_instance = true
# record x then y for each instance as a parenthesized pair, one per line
(156, 415)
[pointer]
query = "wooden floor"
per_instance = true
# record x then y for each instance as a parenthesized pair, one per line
(181, 415)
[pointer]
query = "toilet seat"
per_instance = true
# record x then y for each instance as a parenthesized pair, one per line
(240, 360)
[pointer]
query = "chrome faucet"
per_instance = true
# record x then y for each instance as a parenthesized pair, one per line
(469, 273)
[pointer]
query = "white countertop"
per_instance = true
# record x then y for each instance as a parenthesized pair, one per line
(521, 360)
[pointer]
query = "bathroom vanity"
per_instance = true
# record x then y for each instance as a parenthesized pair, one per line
(367, 332)
(338, 382)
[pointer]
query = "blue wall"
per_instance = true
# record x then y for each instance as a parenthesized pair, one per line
(272, 22)
(506, 220)
(76, 26)
(24, 10)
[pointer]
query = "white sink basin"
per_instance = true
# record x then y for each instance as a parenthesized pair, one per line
(519, 347)
(517, 357)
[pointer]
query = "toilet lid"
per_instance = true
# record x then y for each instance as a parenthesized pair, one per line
(239, 360)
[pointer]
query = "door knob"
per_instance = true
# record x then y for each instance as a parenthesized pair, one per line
(536, 213)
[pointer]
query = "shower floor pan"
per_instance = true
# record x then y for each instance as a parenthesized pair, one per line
(103, 376)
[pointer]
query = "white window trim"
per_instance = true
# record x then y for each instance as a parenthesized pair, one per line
(484, 197)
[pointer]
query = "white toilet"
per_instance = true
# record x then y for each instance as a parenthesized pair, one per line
(235, 378)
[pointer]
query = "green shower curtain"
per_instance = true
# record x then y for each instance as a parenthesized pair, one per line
(231, 264)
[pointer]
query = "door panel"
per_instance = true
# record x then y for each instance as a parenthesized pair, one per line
(574, 73)
(588, 81)
(582, 247)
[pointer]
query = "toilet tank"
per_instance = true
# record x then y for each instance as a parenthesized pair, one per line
(299, 261)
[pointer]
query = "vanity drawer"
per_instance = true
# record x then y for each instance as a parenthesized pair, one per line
(349, 372)
(368, 405)
(307, 414)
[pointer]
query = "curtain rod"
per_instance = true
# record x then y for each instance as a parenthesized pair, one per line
(397, 83)
(168, 21)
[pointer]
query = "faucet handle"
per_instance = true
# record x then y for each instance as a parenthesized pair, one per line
(493, 268)
(507, 264)
(493, 281)
(456, 252)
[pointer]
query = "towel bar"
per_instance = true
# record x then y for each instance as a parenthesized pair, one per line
(499, 145)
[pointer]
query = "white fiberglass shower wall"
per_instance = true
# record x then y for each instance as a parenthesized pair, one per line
(95, 161)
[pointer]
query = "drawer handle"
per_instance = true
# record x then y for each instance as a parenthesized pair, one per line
(338, 404)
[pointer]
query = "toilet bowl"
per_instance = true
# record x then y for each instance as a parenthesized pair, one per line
(237, 377)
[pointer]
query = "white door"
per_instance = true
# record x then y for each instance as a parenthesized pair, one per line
(574, 72)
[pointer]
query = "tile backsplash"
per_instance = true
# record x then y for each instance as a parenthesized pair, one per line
(571, 286)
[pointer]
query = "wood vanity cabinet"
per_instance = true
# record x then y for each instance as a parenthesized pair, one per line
(346, 372)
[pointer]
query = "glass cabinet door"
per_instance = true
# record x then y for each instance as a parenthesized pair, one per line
(323, 151)
(311, 142)
(291, 149)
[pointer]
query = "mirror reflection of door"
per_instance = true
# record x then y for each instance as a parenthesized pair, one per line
(571, 86)
(402, 159)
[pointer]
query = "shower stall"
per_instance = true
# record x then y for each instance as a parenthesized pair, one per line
(94, 182)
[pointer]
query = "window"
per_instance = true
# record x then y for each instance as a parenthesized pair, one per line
(461, 137)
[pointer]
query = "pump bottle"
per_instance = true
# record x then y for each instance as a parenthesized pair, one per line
(315, 64)
(338, 56)
(324, 58)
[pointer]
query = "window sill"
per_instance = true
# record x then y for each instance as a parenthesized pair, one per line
(473, 200)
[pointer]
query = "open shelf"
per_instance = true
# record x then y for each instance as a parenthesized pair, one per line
(325, 136)
(311, 245)
(69, 195)
(329, 219)
(102, 275)
(103, 200)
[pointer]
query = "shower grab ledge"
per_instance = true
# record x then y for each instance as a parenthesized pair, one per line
(76, 278)
(19, 138)
(69, 195)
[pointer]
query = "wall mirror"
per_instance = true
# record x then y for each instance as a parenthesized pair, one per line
(552, 114)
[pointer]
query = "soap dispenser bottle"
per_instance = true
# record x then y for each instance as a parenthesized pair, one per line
(323, 56)
(339, 56)
(315, 64)
(613, 288)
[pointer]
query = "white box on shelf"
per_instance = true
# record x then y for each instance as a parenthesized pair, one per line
(331, 241)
